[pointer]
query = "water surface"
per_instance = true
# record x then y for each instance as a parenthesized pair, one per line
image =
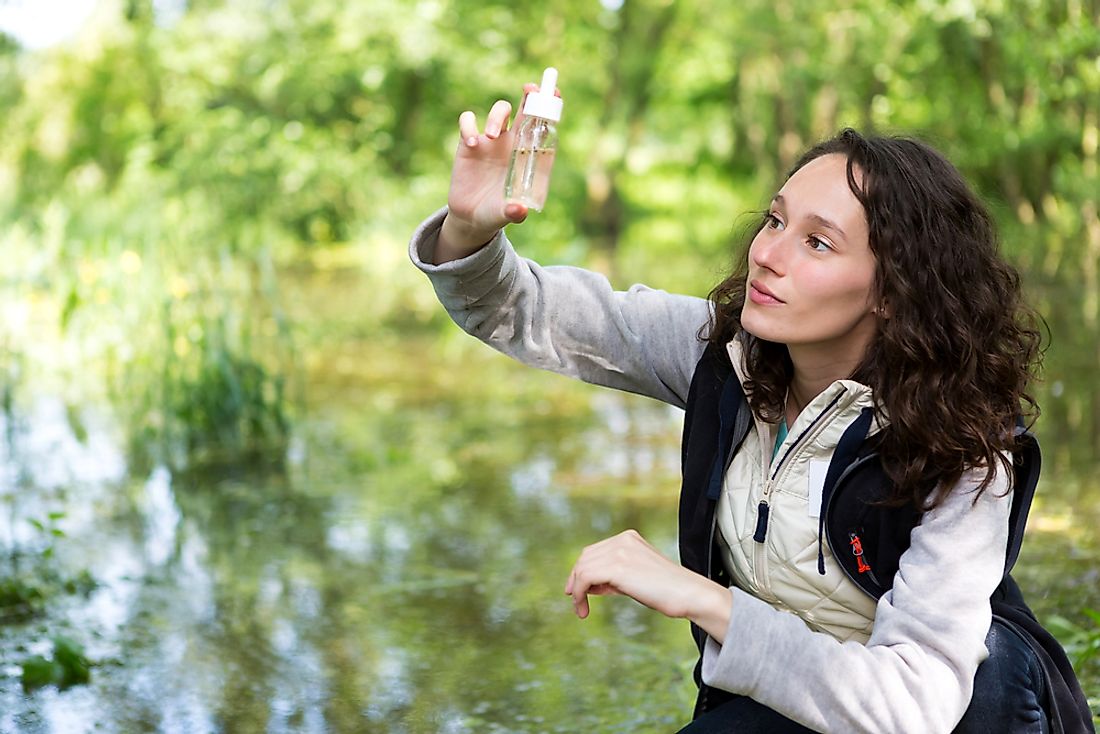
(405, 573)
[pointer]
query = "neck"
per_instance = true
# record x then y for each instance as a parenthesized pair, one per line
(813, 372)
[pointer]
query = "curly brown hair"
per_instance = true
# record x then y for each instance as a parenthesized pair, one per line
(951, 365)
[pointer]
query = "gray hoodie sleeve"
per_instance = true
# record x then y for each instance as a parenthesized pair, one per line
(916, 672)
(568, 320)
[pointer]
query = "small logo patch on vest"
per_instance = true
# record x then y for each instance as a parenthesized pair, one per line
(815, 481)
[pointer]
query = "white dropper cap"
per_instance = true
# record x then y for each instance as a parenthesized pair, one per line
(543, 103)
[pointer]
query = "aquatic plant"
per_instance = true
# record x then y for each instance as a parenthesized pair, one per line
(67, 665)
(177, 322)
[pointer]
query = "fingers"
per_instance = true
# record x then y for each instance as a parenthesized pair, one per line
(497, 122)
(467, 128)
(515, 212)
(596, 569)
(527, 89)
(578, 588)
(498, 118)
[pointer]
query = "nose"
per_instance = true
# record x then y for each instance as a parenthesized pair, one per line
(767, 251)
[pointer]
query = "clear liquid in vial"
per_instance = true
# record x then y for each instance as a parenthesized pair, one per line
(529, 176)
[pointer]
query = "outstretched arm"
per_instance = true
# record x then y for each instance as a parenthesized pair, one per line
(568, 320)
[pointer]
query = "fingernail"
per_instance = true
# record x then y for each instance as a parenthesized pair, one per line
(493, 132)
(471, 141)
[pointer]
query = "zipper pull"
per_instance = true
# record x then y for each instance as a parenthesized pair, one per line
(857, 551)
(761, 522)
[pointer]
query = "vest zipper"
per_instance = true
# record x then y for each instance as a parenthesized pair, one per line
(762, 516)
(759, 550)
(763, 509)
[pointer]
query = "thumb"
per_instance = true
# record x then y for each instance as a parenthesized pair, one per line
(515, 212)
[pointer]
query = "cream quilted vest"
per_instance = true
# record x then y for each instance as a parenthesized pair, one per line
(783, 569)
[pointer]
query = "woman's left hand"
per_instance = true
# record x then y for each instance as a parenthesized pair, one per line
(627, 564)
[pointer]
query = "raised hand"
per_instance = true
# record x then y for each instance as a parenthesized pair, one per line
(476, 205)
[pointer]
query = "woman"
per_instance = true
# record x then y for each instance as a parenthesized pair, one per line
(872, 303)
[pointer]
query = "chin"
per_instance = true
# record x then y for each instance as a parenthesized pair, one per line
(767, 337)
(752, 325)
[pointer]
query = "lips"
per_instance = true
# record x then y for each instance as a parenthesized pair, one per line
(758, 293)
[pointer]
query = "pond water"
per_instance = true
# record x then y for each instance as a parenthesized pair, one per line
(405, 573)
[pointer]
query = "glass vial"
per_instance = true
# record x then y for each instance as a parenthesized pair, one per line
(536, 142)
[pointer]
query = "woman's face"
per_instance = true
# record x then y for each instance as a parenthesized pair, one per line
(811, 270)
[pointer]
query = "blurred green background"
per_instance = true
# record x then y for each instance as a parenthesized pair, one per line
(251, 477)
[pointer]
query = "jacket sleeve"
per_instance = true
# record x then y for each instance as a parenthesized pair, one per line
(568, 320)
(916, 672)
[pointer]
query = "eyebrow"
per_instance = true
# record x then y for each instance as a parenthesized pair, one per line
(827, 223)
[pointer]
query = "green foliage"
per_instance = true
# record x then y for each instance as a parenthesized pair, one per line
(195, 354)
(20, 598)
(1082, 644)
(224, 404)
(67, 666)
(320, 121)
(26, 593)
(1082, 641)
(189, 337)
(49, 528)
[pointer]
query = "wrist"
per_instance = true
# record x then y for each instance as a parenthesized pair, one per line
(712, 606)
(457, 240)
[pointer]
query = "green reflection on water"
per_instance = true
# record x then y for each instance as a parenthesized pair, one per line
(406, 575)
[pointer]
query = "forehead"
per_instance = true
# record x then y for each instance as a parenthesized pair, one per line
(821, 187)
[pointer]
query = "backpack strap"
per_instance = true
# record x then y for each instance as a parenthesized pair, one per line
(882, 534)
(734, 423)
(847, 450)
(1065, 702)
(1027, 460)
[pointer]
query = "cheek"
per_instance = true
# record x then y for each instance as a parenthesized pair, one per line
(848, 292)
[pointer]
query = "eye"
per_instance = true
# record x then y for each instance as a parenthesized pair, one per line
(818, 245)
(772, 222)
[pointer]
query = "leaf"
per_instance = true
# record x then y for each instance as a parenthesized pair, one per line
(69, 666)
(69, 655)
(38, 672)
(72, 302)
